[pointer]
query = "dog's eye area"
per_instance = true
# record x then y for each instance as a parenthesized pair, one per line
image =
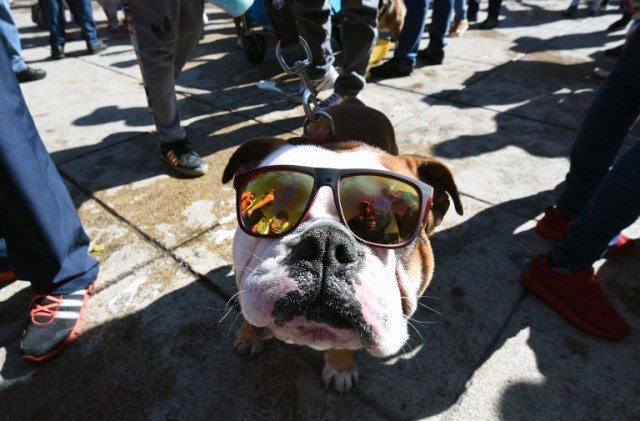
(378, 208)
(272, 202)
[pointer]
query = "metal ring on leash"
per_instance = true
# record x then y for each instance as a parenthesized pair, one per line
(299, 65)
(309, 100)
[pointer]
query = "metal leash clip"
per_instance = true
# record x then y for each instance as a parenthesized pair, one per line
(309, 100)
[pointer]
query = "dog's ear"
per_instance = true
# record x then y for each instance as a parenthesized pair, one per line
(249, 154)
(438, 176)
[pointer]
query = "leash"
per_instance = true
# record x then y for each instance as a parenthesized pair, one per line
(318, 124)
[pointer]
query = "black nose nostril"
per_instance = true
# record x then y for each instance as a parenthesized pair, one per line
(344, 254)
(307, 249)
(325, 245)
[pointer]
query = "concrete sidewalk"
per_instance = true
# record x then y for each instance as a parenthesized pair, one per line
(502, 112)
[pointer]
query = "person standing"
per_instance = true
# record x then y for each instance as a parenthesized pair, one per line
(41, 237)
(601, 198)
(54, 14)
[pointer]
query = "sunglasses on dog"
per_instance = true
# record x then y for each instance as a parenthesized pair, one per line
(380, 208)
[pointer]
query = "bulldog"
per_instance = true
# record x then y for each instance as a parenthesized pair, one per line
(332, 248)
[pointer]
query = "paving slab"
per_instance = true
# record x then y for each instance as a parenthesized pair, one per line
(502, 113)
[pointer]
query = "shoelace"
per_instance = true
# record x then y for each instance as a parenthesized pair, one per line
(47, 311)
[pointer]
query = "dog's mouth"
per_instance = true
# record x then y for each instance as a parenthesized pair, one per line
(322, 318)
(317, 335)
(319, 313)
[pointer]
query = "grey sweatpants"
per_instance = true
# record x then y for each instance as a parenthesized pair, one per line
(164, 34)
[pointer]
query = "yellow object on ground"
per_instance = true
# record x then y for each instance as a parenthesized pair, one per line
(380, 50)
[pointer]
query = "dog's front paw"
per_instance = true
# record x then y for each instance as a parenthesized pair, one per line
(247, 341)
(340, 369)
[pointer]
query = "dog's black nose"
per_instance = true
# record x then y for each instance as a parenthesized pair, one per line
(326, 246)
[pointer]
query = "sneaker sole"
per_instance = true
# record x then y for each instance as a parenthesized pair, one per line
(72, 336)
(546, 296)
(196, 172)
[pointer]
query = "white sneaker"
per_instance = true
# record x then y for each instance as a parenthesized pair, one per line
(320, 85)
(334, 99)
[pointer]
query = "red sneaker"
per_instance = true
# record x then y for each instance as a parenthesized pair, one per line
(7, 276)
(578, 297)
(552, 226)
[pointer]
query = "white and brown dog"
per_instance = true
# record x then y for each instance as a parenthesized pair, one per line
(320, 285)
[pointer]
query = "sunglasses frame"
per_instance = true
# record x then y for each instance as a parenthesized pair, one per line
(331, 177)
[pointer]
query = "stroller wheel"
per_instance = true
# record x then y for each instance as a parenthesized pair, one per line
(255, 48)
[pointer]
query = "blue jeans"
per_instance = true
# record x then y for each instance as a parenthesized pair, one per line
(412, 31)
(603, 199)
(41, 237)
(54, 13)
(460, 8)
(413, 28)
(10, 37)
(440, 22)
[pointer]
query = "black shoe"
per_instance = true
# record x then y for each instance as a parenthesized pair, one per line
(57, 52)
(55, 322)
(489, 23)
(431, 57)
(570, 12)
(182, 159)
(96, 47)
(394, 67)
(472, 11)
(620, 23)
(30, 74)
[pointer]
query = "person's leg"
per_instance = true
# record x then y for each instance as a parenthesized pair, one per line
(404, 55)
(412, 30)
(54, 14)
(358, 33)
(493, 10)
(45, 241)
(190, 32)
(10, 38)
(614, 206)
(84, 13)
(473, 6)
(154, 37)
(493, 14)
(603, 130)
(314, 25)
(460, 23)
(565, 278)
(440, 22)
(460, 10)
(156, 34)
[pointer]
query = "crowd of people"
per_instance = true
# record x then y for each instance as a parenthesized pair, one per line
(601, 196)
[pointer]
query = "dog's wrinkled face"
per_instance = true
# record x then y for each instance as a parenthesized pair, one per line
(318, 286)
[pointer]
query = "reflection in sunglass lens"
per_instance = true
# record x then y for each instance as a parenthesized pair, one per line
(272, 202)
(380, 209)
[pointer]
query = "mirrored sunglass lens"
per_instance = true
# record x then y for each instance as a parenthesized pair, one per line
(380, 209)
(272, 202)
